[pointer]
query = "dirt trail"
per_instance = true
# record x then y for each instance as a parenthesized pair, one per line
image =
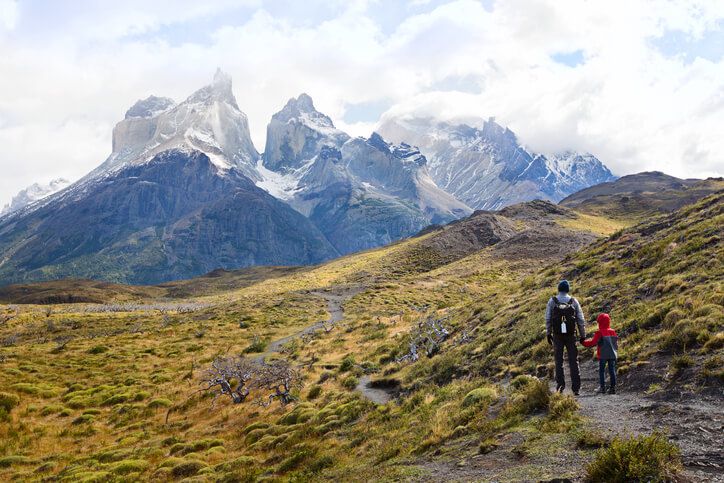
(336, 312)
(374, 394)
(335, 300)
(694, 422)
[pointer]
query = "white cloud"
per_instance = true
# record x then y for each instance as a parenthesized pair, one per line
(629, 103)
(8, 14)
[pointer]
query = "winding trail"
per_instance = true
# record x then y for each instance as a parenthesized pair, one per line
(336, 313)
(335, 300)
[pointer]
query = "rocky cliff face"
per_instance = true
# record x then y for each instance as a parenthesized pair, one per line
(177, 216)
(360, 192)
(209, 121)
(487, 168)
(184, 191)
(297, 133)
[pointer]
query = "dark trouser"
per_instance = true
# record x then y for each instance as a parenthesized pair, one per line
(611, 371)
(567, 342)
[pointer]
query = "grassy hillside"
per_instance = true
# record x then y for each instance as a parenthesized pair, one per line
(114, 391)
(636, 197)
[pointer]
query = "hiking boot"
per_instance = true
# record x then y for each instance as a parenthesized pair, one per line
(612, 390)
(601, 390)
(577, 393)
(560, 389)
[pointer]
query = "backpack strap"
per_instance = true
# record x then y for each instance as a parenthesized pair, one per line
(555, 299)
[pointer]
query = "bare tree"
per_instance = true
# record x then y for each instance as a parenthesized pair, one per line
(230, 376)
(280, 377)
(10, 340)
(428, 335)
(236, 377)
(61, 342)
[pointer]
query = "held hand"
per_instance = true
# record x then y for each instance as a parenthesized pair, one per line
(549, 338)
(581, 340)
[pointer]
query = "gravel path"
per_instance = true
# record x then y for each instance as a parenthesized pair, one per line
(693, 422)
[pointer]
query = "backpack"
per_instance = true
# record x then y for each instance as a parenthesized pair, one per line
(563, 313)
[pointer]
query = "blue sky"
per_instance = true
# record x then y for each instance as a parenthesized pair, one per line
(640, 84)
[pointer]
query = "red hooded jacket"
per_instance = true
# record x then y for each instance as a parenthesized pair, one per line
(604, 335)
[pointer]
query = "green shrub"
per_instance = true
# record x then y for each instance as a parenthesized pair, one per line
(99, 349)
(522, 380)
(350, 382)
(85, 418)
(531, 398)
(253, 426)
(562, 407)
(716, 342)
(257, 345)
(116, 399)
(320, 463)
(314, 392)
(708, 309)
(112, 456)
(51, 409)
(293, 461)
(681, 362)
(255, 435)
(682, 336)
(643, 458)
(480, 395)
(673, 317)
(159, 403)
(187, 468)
(129, 466)
(8, 401)
(196, 446)
(346, 364)
(7, 461)
(41, 389)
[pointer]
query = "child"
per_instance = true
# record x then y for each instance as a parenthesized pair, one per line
(606, 340)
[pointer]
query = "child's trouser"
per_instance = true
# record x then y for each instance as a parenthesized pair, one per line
(611, 371)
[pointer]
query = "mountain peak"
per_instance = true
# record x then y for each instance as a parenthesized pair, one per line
(33, 193)
(300, 107)
(220, 90)
(150, 107)
(377, 141)
(221, 78)
(304, 102)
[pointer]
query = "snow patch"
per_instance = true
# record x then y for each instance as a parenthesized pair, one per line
(281, 186)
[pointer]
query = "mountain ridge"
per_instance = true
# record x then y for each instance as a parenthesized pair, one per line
(356, 192)
(487, 168)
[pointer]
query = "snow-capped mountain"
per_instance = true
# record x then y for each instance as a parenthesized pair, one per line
(360, 192)
(175, 199)
(209, 121)
(33, 193)
(487, 168)
(184, 190)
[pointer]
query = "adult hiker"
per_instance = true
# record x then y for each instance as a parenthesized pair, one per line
(563, 317)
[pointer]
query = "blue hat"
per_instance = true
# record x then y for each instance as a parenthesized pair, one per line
(564, 286)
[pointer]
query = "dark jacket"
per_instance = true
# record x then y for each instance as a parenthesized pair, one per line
(605, 339)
